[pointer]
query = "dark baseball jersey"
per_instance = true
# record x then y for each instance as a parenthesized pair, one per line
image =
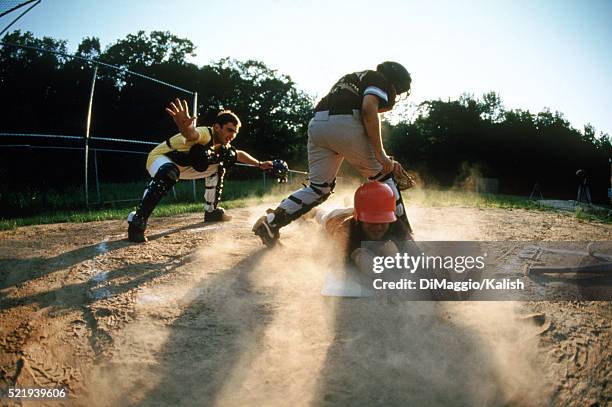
(349, 91)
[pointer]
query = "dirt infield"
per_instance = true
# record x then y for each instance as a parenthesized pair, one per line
(202, 314)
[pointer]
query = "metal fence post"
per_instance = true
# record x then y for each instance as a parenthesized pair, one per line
(96, 171)
(195, 103)
(87, 128)
(195, 113)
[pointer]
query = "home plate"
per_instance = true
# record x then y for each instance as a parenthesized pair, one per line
(343, 285)
(200, 229)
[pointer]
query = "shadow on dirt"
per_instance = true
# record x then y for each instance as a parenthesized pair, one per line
(381, 354)
(15, 271)
(213, 337)
(401, 355)
(89, 297)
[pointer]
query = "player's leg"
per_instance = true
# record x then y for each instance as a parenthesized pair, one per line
(323, 165)
(166, 176)
(213, 185)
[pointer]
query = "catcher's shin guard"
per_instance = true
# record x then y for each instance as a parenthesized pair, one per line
(165, 178)
(297, 204)
(303, 200)
(213, 189)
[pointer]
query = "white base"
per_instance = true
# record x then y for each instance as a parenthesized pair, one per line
(343, 285)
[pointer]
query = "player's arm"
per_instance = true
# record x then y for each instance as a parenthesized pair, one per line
(371, 123)
(179, 111)
(246, 158)
(363, 259)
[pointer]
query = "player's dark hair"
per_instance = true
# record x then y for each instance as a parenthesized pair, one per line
(227, 116)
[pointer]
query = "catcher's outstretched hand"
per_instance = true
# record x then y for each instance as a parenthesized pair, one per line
(179, 111)
(401, 176)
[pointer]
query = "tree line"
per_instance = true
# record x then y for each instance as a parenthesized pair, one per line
(451, 140)
(48, 93)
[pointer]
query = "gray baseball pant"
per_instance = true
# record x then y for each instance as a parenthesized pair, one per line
(331, 139)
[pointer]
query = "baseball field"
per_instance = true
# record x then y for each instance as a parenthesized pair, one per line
(310, 203)
(204, 314)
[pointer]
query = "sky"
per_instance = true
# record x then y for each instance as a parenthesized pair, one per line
(535, 54)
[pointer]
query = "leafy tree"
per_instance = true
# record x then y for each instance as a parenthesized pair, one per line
(140, 50)
(49, 93)
(492, 107)
(89, 48)
(52, 95)
(274, 113)
(515, 146)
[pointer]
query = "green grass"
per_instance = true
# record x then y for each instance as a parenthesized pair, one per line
(594, 214)
(239, 194)
(34, 201)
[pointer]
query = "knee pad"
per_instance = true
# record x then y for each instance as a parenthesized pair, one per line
(165, 178)
(323, 190)
(168, 173)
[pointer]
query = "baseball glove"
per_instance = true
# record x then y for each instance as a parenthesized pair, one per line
(402, 178)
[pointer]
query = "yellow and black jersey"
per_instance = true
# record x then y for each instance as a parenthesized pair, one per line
(180, 144)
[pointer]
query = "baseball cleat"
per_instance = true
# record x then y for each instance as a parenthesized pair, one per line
(136, 228)
(268, 234)
(217, 215)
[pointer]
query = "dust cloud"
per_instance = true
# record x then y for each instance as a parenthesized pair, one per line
(242, 325)
(342, 351)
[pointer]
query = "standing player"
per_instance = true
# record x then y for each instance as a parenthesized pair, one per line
(346, 125)
(196, 152)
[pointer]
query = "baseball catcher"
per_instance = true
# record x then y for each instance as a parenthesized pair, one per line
(194, 153)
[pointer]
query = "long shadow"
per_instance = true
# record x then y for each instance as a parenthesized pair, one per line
(390, 354)
(15, 271)
(180, 229)
(211, 337)
(86, 295)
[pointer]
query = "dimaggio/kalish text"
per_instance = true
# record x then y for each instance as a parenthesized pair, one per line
(446, 284)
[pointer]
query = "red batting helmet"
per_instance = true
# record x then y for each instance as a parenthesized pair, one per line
(374, 203)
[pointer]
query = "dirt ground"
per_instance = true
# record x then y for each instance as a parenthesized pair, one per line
(202, 314)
